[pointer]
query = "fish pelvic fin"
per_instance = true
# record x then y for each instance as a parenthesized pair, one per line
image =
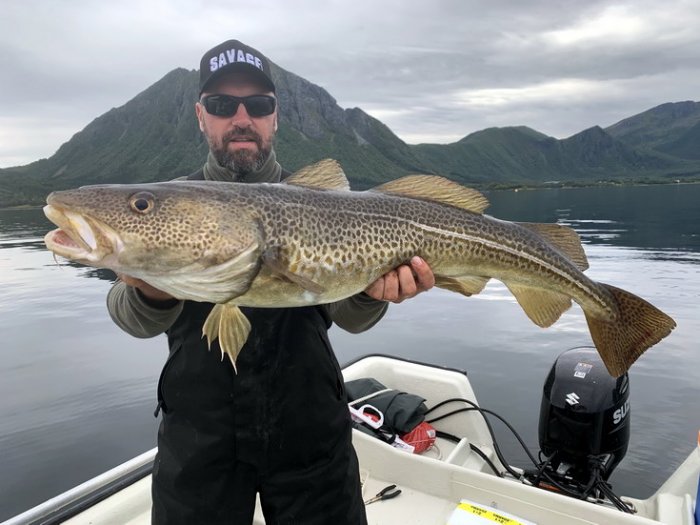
(564, 238)
(325, 174)
(227, 323)
(639, 326)
(543, 307)
(438, 189)
(466, 285)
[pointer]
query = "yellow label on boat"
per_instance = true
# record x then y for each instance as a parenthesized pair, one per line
(470, 513)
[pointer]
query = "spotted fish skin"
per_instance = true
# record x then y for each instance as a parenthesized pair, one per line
(312, 241)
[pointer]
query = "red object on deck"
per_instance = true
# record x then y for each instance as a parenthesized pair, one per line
(422, 437)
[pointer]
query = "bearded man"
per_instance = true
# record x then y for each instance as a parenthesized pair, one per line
(280, 427)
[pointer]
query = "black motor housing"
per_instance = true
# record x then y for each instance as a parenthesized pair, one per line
(584, 416)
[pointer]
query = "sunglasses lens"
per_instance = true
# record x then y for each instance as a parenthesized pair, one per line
(259, 105)
(221, 105)
(227, 105)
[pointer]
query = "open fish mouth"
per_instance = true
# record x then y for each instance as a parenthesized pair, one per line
(78, 237)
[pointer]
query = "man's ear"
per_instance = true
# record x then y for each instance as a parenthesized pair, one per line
(198, 110)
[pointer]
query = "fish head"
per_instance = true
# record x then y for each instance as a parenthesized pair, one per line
(147, 228)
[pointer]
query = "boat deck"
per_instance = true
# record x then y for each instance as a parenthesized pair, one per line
(431, 490)
(432, 484)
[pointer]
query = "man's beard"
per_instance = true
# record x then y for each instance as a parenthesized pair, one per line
(241, 161)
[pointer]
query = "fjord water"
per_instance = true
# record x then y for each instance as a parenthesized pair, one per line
(77, 395)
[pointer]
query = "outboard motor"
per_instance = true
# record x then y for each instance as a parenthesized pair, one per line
(584, 425)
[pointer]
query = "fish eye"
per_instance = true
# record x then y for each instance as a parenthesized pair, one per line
(142, 202)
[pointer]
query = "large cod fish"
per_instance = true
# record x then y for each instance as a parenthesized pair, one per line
(310, 241)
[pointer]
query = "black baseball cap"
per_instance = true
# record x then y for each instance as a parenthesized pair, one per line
(232, 56)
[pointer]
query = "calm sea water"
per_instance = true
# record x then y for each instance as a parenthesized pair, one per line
(77, 395)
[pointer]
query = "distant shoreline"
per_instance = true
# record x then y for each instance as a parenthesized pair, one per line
(568, 186)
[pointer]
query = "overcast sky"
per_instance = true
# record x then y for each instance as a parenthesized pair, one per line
(433, 71)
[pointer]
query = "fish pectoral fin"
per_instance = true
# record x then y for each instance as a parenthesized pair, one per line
(227, 323)
(465, 284)
(638, 326)
(543, 307)
(280, 267)
(325, 174)
(438, 189)
(213, 283)
(564, 238)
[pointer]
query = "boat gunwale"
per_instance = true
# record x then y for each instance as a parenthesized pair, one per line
(88, 494)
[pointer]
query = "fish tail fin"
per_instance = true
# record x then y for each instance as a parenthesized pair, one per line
(638, 326)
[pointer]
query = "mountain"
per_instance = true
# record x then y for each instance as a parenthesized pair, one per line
(155, 136)
(593, 151)
(126, 144)
(313, 126)
(511, 154)
(671, 128)
(523, 155)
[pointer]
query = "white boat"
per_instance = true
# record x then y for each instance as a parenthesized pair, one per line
(434, 485)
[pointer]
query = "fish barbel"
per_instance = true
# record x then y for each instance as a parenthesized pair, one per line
(310, 240)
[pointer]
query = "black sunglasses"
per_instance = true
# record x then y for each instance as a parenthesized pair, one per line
(227, 105)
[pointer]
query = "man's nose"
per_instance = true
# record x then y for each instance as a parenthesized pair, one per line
(241, 116)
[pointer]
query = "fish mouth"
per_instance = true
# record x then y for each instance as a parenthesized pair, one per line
(78, 237)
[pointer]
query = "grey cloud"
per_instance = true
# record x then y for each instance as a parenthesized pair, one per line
(408, 62)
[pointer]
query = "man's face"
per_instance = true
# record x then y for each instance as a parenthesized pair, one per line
(241, 143)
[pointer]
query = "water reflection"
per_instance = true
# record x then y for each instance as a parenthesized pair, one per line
(596, 231)
(646, 216)
(29, 243)
(23, 223)
(90, 272)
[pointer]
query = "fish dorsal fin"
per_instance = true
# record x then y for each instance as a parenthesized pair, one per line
(325, 174)
(543, 307)
(436, 188)
(564, 238)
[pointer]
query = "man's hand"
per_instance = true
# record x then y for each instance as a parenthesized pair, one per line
(406, 281)
(148, 291)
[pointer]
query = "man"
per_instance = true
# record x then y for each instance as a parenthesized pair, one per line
(280, 426)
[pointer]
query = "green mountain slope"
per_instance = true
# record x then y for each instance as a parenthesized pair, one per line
(660, 128)
(313, 126)
(155, 136)
(522, 155)
(686, 145)
(512, 154)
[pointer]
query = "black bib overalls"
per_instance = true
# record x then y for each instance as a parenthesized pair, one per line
(280, 427)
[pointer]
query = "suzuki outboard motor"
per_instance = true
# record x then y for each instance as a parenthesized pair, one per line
(584, 418)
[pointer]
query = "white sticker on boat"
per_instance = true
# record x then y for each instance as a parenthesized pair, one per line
(582, 369)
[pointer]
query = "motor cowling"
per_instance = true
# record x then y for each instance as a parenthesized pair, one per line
(584, 417)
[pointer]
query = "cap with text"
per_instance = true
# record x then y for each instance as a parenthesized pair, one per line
(232, 56)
